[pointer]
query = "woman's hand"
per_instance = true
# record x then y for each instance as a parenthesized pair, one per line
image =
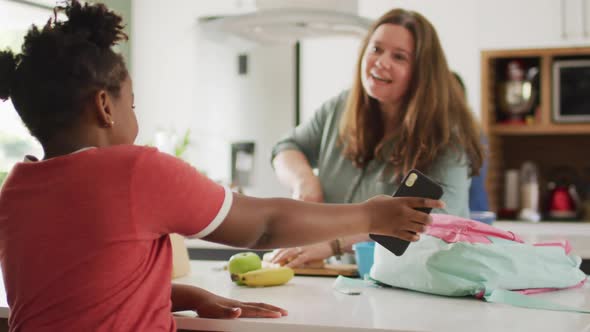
(308, 189)
(295, 257)
(294, 171)
(209, 305)
(396, 216)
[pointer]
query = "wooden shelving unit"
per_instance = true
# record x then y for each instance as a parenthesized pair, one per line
(539, 129)
(542, 141)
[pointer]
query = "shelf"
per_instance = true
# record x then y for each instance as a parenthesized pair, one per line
(533, 52)
(551, 129)
(549, 145)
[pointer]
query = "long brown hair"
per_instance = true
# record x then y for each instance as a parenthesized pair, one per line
(434, 116)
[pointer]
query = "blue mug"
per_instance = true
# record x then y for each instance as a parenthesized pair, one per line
(487, 217)
(363, 253)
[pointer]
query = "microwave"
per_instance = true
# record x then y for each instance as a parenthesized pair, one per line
(571, 91)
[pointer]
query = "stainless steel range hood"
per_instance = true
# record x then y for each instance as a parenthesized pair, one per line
(289, 24)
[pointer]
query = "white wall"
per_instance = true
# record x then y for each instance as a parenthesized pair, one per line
(327, 68)
(183, 81)
(168, 89)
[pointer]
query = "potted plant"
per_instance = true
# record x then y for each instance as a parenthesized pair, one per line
(3, 176)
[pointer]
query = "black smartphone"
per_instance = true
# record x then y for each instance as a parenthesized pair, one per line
(414, 184)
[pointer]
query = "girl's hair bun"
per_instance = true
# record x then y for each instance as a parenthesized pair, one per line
(8, 62)
(95, 22)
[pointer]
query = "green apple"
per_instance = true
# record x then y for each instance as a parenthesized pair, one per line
(243, 262)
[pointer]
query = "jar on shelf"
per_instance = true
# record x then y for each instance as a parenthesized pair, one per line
(529, 193)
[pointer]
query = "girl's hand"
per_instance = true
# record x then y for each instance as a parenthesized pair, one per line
(309, 189)
(396, 216)
(209, 305)
(214, 306)
(295, 257)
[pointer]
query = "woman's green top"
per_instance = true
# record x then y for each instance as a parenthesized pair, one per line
(342, 182)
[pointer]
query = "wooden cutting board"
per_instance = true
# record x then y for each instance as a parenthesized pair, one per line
(347, 270)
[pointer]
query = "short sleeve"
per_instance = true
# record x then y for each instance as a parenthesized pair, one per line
(307, 137)
(168, 195)
(451, 170)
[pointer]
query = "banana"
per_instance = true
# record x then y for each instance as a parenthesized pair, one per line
(267, 276)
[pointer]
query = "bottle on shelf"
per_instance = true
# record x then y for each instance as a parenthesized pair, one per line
(511, 195)
(529, 193)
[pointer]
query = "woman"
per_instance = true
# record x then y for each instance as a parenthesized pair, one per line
(84, 240)
(404, 110)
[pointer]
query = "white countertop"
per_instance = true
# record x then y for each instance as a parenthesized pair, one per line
(314, 306)
(578, 234)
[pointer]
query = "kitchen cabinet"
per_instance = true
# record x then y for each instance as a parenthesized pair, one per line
(548, 144)
(500, 23)
(510, 24)
(575, 19)
(533, 23)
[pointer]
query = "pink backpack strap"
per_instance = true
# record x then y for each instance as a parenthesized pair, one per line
(453, 229)
(545, 290)
(565, 244)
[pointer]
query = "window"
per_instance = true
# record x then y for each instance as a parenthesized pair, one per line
(15, 19)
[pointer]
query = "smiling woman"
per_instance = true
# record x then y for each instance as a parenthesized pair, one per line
(404, 110)
(386, 69)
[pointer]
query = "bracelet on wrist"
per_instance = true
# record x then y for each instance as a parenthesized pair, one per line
(337, 247)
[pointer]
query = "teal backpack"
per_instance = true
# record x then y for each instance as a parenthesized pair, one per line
(461, 257)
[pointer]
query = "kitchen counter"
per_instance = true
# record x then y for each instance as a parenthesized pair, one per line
(577, 233)
(314, 306)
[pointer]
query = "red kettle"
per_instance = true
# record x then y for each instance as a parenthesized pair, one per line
(563, 202)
